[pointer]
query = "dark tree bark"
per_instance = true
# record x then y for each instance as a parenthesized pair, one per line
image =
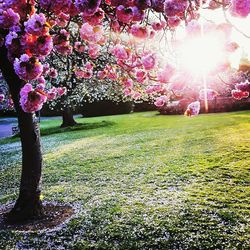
(28, 204)
(68, 119)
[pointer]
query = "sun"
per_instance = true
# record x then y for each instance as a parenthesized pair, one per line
(201, 54)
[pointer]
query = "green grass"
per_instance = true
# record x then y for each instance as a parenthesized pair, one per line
(141, 181)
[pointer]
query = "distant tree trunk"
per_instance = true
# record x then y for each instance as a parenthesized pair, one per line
(28, 204)
(68, 118)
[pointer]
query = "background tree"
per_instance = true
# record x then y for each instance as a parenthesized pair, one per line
(81, 86)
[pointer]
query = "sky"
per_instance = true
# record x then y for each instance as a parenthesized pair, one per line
(240, 33)
(243, 24)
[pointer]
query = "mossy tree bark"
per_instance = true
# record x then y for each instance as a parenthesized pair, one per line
(28, 205)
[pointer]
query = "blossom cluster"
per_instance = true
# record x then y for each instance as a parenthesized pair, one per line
(242, 90)
(61, 42)
(240, 8)
(33, 99)
(28, 68)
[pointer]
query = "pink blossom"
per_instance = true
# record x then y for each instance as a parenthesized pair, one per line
(152, 34)
(87, 74)
(161, 101)
(90, 33)
(149, 90)
(61, 91)
(158, 88)
(62, 44)
(138, 14)
(41, 80)
(28, 68)
(42, 45)
(128, 91)
(243, 86)
(136, 95)
(61, 38)
(210, 94)
(89, 65)
(213, 4)
(73, 10)
(238, 94)
(164, 75)
(65, 49)
(120, 52)
(149, 61)
(123, 14)
(173, 21)
(114, 2)
(8, 18)
(158, 5)
(56, 6)
(15, 48)
(79, 47)
(139, 31)
(115, 26)
(62, 19)
(36, 25)
(95, 19)
(157, 26)
(79, 73)
(45, 69)
(20, 7)
(103, 40)
(31, 100)
(93, 50)
(232, 46)
(240, 8)
(127, 82)
(2, 97)
(40, 87)
(142, 4)
(101, 74)
(175, 8)
(52, 94)
(84, 73)
(140, 75)
(41, 58)
(111, 73)
(9, 38)
(193, 109)
(87, 7)
(53, 73)
(10, 103)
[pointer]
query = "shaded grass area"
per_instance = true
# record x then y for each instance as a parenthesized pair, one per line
(142, 181)
(53, 127)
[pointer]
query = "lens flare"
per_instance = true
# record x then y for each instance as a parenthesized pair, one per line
(202, 54)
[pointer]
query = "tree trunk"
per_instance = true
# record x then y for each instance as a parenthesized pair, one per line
(68, 119)
(28, 204)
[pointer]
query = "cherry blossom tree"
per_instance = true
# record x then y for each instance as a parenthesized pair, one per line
(31, 31)
(81, 86)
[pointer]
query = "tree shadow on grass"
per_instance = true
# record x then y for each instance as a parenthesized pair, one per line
(57, 129)
(79, 126)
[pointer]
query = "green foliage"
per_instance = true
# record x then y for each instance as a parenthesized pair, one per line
(142, 181)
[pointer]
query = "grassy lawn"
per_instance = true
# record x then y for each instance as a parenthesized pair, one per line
(141, 181)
